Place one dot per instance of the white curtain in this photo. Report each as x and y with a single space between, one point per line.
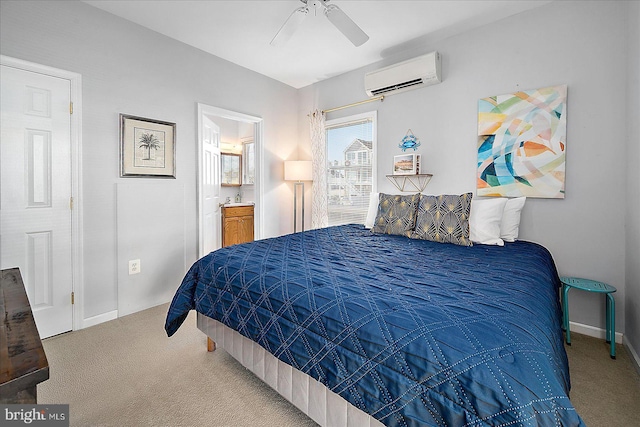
319 216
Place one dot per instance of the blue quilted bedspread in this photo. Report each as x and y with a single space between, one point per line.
410 331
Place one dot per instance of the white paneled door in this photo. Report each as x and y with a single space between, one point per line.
35 183
210 184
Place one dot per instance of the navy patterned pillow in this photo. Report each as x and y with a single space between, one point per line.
444 219
396 214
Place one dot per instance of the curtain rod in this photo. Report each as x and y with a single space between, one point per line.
376 98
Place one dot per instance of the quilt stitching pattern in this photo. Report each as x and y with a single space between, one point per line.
450 335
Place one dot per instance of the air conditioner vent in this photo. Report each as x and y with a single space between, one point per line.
396 87
410 74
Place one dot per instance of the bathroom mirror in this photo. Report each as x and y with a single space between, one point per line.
231 169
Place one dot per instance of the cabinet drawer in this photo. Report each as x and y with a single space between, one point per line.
233 211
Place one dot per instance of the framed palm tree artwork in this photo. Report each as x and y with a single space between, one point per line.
147 147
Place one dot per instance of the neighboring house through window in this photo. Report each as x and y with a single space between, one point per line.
351 167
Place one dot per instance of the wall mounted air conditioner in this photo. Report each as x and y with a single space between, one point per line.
413 73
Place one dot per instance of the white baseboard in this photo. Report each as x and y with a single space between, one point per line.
592 331
633 352
100 318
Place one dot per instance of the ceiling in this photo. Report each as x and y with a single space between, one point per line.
240 30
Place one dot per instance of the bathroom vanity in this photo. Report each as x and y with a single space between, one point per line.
237 223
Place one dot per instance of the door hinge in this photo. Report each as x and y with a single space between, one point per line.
71 108
71 203
73 298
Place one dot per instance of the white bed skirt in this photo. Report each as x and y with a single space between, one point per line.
307 394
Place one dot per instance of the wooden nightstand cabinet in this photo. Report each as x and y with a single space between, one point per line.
237 225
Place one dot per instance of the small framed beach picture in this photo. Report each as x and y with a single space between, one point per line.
405 164
147 147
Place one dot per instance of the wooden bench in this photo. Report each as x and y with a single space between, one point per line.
23 363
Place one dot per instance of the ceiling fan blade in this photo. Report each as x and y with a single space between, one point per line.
345 25
290 26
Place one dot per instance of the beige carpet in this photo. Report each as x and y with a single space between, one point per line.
605 392
126 372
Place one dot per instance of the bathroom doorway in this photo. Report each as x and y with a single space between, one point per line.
222 133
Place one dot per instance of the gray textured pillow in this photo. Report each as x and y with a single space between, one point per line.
444 219
396 214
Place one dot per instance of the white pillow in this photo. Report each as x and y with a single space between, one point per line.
373 210
485 219
510 226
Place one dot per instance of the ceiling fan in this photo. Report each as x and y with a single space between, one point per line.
335 15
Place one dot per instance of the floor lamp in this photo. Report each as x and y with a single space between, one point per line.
299 171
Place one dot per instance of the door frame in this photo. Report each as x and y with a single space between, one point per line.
75 80
209 110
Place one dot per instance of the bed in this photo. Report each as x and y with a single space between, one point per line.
362 328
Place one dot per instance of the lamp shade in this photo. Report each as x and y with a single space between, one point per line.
297 170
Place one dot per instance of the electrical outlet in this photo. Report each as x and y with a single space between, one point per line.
134 266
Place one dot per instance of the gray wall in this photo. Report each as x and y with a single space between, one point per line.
581 44
632 303
128 69
594 232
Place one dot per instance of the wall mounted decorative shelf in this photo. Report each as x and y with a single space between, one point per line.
406 183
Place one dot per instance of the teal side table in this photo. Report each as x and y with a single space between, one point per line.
591 286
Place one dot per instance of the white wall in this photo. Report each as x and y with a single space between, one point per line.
581 44
128 69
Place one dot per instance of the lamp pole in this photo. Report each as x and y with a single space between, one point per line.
295 205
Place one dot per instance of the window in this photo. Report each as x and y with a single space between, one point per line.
248 161
351 167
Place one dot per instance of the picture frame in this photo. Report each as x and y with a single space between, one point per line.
147 147
405 164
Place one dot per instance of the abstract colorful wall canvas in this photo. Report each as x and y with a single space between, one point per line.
522 143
